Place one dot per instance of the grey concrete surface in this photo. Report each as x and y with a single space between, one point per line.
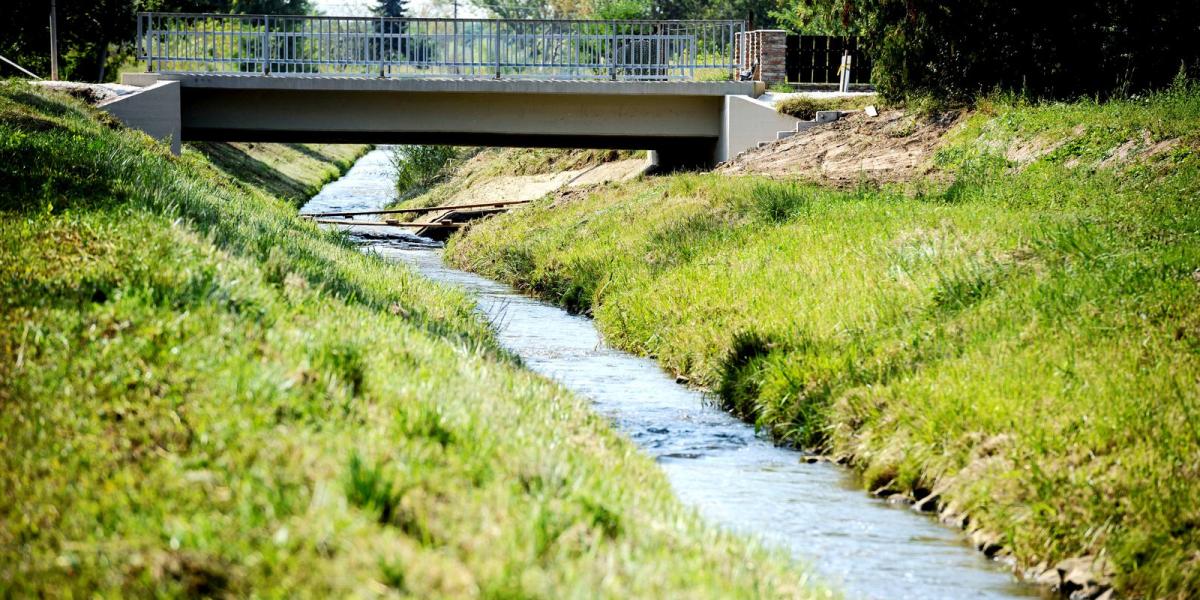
685 124
154 109
458 85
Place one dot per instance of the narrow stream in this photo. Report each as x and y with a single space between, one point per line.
863 545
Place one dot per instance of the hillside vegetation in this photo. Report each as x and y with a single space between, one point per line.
293 172
206 396
474 167
1014 340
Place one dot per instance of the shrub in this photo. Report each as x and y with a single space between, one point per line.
419 166
1047 49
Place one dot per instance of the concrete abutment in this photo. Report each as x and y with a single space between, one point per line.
686 125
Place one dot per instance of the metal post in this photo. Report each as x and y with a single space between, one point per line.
612 52
736 41
266 41
139 53
844 73
53 41
380 50
496 48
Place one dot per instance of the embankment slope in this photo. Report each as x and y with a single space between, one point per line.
293 172
204 395
1012 339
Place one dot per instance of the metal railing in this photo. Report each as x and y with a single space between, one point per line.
468 48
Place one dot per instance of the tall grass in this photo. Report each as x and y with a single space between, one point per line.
293 172
418 167
1019 335
204 395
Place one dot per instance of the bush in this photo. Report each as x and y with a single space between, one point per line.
1045 49
419 166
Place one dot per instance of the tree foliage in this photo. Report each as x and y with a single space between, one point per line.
954 49
758 14
93 36
96 36
390 8
420 166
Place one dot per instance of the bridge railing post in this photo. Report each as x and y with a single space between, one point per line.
379 48
139 52
266 45
496 46
612 51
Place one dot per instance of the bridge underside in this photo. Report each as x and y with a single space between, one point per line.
686 124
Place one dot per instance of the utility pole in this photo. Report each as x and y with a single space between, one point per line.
53 43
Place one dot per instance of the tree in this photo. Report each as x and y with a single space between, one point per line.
93 36
393 10
96 36
621 9
815 18
268 7
954 49
516 9
390 8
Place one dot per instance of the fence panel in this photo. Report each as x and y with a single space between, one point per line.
318 46
817 58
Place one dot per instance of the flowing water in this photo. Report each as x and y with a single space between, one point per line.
863 545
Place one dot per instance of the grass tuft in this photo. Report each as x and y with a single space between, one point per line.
369 488
778 202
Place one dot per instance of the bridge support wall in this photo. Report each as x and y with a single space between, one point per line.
154 110
450 118
685 125
746 122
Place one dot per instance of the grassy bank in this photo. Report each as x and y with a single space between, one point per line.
474 166
292 172
1015 340
206 396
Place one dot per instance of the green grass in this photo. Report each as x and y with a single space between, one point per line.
204 395
293 172
419 167
805 107
1020 335
475 165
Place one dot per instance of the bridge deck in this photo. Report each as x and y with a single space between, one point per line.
694 122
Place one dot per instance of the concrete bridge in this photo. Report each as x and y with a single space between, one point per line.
578 84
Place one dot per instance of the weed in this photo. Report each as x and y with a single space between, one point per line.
963 285
777 202
368 487
806 107
417 167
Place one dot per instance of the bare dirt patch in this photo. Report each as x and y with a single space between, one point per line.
895 146
508 188
91 93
